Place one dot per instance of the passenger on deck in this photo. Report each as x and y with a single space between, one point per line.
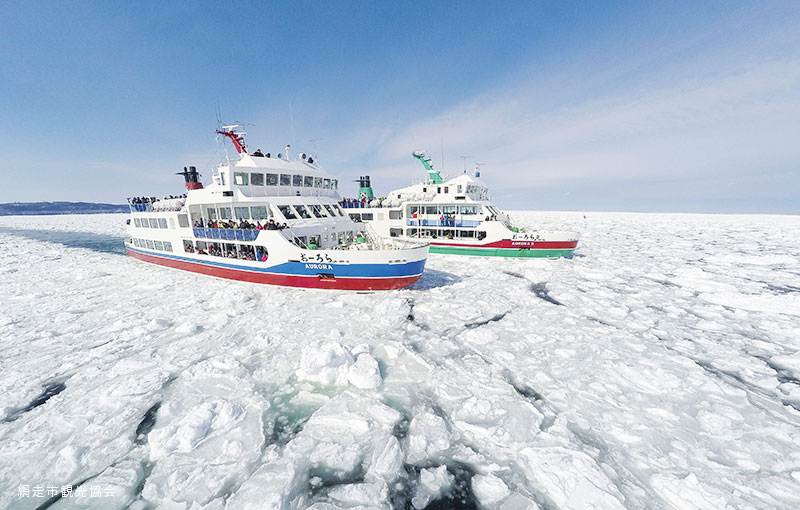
258 153
271 225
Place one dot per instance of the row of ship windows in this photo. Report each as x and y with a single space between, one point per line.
289 212
300 181
470 189
444 209
150 222
228 250
152 245
435 233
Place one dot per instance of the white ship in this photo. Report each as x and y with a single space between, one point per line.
273 220
456 216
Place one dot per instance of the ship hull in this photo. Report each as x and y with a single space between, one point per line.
382 277
509 248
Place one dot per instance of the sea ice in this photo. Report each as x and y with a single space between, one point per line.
657 368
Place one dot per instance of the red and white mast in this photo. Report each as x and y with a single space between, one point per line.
236 138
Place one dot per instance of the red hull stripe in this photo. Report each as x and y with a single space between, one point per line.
309 282
517 244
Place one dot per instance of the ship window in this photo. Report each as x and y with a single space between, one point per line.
459 189
349 236
302 211
301 241
366 216
153 223
395 232
481 235
431 209
242 213
447 189
297 180
240 178
162 223
411 232
338 210
183 221
330 211
259 213
355 216
257 179
225 213
438 189
424 190
448 209
136 222
466 233
395 215
308 181
272 179
412 210
287 212
326 184
468 209
150 244
286 180
159 245
317 210
317 182
211 213
334 184
261 253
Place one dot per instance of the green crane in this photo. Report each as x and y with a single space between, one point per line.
433 175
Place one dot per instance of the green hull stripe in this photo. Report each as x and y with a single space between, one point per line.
500 252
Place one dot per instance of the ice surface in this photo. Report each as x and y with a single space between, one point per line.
657 368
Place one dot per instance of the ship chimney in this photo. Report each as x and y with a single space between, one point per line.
190 178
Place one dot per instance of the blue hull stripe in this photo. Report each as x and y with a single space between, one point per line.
311 268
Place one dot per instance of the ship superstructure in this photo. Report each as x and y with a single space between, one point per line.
269 219
456 216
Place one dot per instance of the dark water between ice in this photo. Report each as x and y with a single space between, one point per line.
97 242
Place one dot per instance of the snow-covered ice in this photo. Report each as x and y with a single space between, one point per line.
657 368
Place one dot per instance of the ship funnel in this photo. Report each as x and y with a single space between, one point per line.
364 188
190 177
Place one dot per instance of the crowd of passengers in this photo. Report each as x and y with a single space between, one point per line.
243 224
152 200
360 203
244 252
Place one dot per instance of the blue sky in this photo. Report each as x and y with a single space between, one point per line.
670 106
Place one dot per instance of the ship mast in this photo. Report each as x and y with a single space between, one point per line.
433 175
236 138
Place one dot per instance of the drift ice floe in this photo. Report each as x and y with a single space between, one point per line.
456 216
272 220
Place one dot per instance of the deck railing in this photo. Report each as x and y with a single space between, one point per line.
228 234
443 223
